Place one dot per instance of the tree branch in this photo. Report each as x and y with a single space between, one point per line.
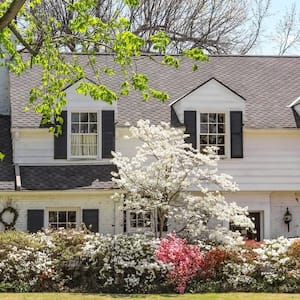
11 13
21 40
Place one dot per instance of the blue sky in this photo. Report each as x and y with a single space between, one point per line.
278 9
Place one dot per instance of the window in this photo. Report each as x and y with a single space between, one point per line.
62 218
84 134
140 220
212 131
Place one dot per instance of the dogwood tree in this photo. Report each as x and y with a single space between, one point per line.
173 181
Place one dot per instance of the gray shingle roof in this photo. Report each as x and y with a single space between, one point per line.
7 173
67 177
268 84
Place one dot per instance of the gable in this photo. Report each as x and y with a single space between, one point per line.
81 102
212 96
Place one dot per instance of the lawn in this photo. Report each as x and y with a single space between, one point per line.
227 296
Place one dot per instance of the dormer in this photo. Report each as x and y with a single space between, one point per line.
212 114
88 129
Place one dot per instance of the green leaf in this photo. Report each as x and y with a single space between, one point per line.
160 41
171 61
109 71
132 2
125 88
1 156
159 95
195 54
139 81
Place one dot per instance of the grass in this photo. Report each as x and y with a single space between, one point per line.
210 296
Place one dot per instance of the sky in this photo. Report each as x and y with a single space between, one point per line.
278 9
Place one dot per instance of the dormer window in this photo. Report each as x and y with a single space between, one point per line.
212 131
86 135
213 116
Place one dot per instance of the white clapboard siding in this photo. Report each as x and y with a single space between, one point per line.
33 146
108 220
271 161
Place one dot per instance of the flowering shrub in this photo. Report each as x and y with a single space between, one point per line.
185 259
71 260
212 263
125 263
24 264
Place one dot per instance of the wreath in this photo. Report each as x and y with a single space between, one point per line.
9 225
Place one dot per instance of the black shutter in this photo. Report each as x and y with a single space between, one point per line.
90 218
190 127
236 130
174 119
60 142
108 133
35 220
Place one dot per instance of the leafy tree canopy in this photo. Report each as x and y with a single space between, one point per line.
25 28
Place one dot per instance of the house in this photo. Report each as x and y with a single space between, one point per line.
247 105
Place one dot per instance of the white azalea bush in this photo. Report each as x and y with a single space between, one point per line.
160 177
24 264
125 263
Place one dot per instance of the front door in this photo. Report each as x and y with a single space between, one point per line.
255 234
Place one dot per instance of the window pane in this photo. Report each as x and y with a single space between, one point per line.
203 118
221 139
221 128
76 150
93 117
52 216
62 225
75 117
84 117
71 216
212 118
212 139
62 216
221 118
83 128
202 148
203 128
203 139
75 128
93 128
221 150
212 128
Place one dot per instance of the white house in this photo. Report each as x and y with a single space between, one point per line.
246 105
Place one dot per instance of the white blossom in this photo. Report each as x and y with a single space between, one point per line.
164 176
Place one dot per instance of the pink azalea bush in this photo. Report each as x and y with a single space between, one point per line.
185 260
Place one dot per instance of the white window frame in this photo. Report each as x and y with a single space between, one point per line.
131 229
227 128
57 209
99 135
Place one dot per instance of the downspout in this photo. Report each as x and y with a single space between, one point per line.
18 177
